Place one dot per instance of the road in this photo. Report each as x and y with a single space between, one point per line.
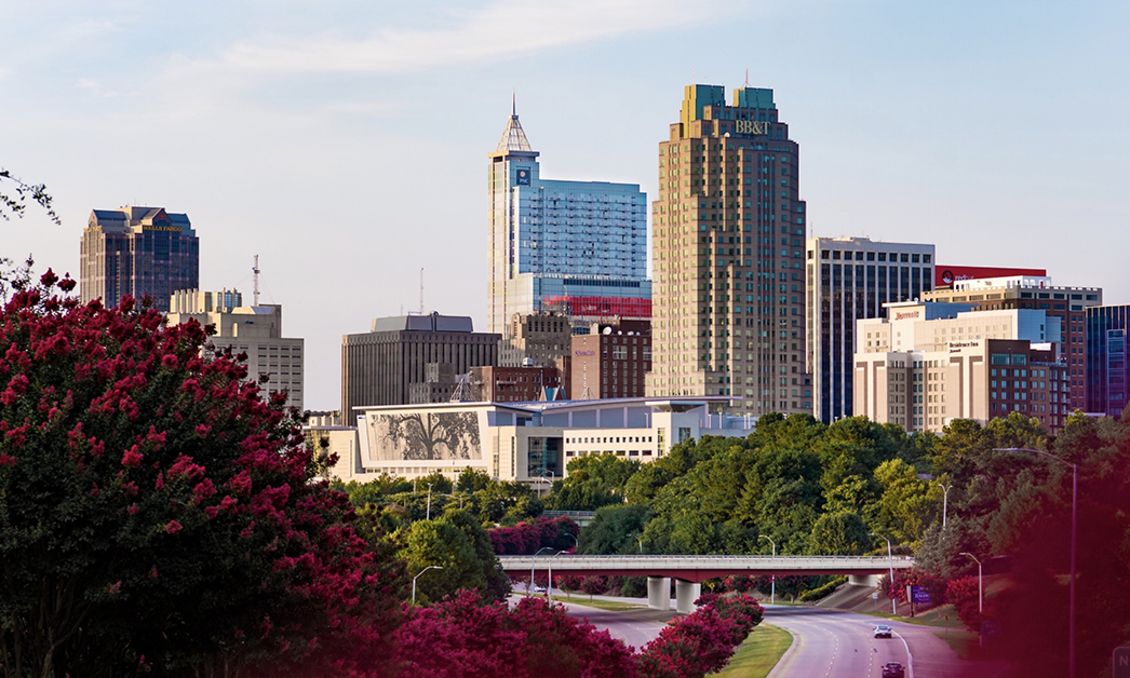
834 644
635 627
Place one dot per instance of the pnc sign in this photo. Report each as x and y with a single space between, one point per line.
755 127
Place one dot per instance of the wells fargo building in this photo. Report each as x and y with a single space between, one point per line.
728 256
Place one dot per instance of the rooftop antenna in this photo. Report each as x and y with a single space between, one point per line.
747 77
514 104
255 280
421 290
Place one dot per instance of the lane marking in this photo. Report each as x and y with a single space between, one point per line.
909 657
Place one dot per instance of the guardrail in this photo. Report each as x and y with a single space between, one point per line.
704 564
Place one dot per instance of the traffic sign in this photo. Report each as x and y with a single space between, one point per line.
1120 663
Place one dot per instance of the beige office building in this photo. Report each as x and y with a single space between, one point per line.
927 364
255 330
1069 304
728 256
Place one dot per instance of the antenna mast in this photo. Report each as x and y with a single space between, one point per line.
421 290
255 280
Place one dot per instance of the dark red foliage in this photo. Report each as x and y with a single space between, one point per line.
703 641
527 537
172 507
461 638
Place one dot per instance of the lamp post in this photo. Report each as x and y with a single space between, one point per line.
772 577
1074 541
945 501
576 544
980 590
891 581
429 567
549 588
533 562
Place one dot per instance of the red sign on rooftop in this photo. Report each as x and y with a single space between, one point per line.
946 276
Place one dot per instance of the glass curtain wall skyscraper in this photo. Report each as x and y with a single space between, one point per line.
728 256
1108 359
138 251
573 246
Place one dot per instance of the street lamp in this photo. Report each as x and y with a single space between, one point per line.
980 590
549 588
772 577
891 581
945 501
429 516
1074 523
533 562
429 567
576 544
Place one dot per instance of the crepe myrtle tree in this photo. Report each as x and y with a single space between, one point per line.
158 513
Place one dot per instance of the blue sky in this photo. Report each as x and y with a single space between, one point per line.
346 142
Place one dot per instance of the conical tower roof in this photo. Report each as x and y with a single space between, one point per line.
513 136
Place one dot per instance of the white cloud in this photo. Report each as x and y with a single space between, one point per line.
504 28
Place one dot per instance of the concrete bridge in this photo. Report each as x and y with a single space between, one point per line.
690 571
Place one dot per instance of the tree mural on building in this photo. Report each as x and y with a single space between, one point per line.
432 435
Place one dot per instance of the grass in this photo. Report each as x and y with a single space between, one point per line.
612 605
760 652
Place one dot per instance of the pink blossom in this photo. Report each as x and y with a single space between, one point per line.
132 457
173 526
7 460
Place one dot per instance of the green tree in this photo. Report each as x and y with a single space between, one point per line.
615 529
591 482
840 533
907 504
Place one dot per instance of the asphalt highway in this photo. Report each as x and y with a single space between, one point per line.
835 644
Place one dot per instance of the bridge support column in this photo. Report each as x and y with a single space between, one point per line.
871 580
659 593
686 592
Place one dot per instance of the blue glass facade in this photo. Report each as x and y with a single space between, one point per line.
551 239
1108 369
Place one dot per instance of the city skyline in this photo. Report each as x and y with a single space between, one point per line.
321 162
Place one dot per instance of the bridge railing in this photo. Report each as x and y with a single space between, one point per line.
706 562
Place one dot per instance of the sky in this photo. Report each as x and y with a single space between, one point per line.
346 142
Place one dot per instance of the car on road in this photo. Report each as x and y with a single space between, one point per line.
894 670
535 589
883 631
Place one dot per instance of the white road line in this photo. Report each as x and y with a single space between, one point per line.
909 657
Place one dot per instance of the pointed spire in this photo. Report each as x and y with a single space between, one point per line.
513 136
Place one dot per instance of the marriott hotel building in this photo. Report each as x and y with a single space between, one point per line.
728 256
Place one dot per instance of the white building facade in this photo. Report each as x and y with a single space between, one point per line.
254 330
526 442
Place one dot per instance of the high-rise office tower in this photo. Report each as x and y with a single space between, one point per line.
138 251
561 245
1108 359
849 279
728 256
1036 292
382 367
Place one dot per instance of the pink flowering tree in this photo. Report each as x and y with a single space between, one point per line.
158 513
461 638
703 641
